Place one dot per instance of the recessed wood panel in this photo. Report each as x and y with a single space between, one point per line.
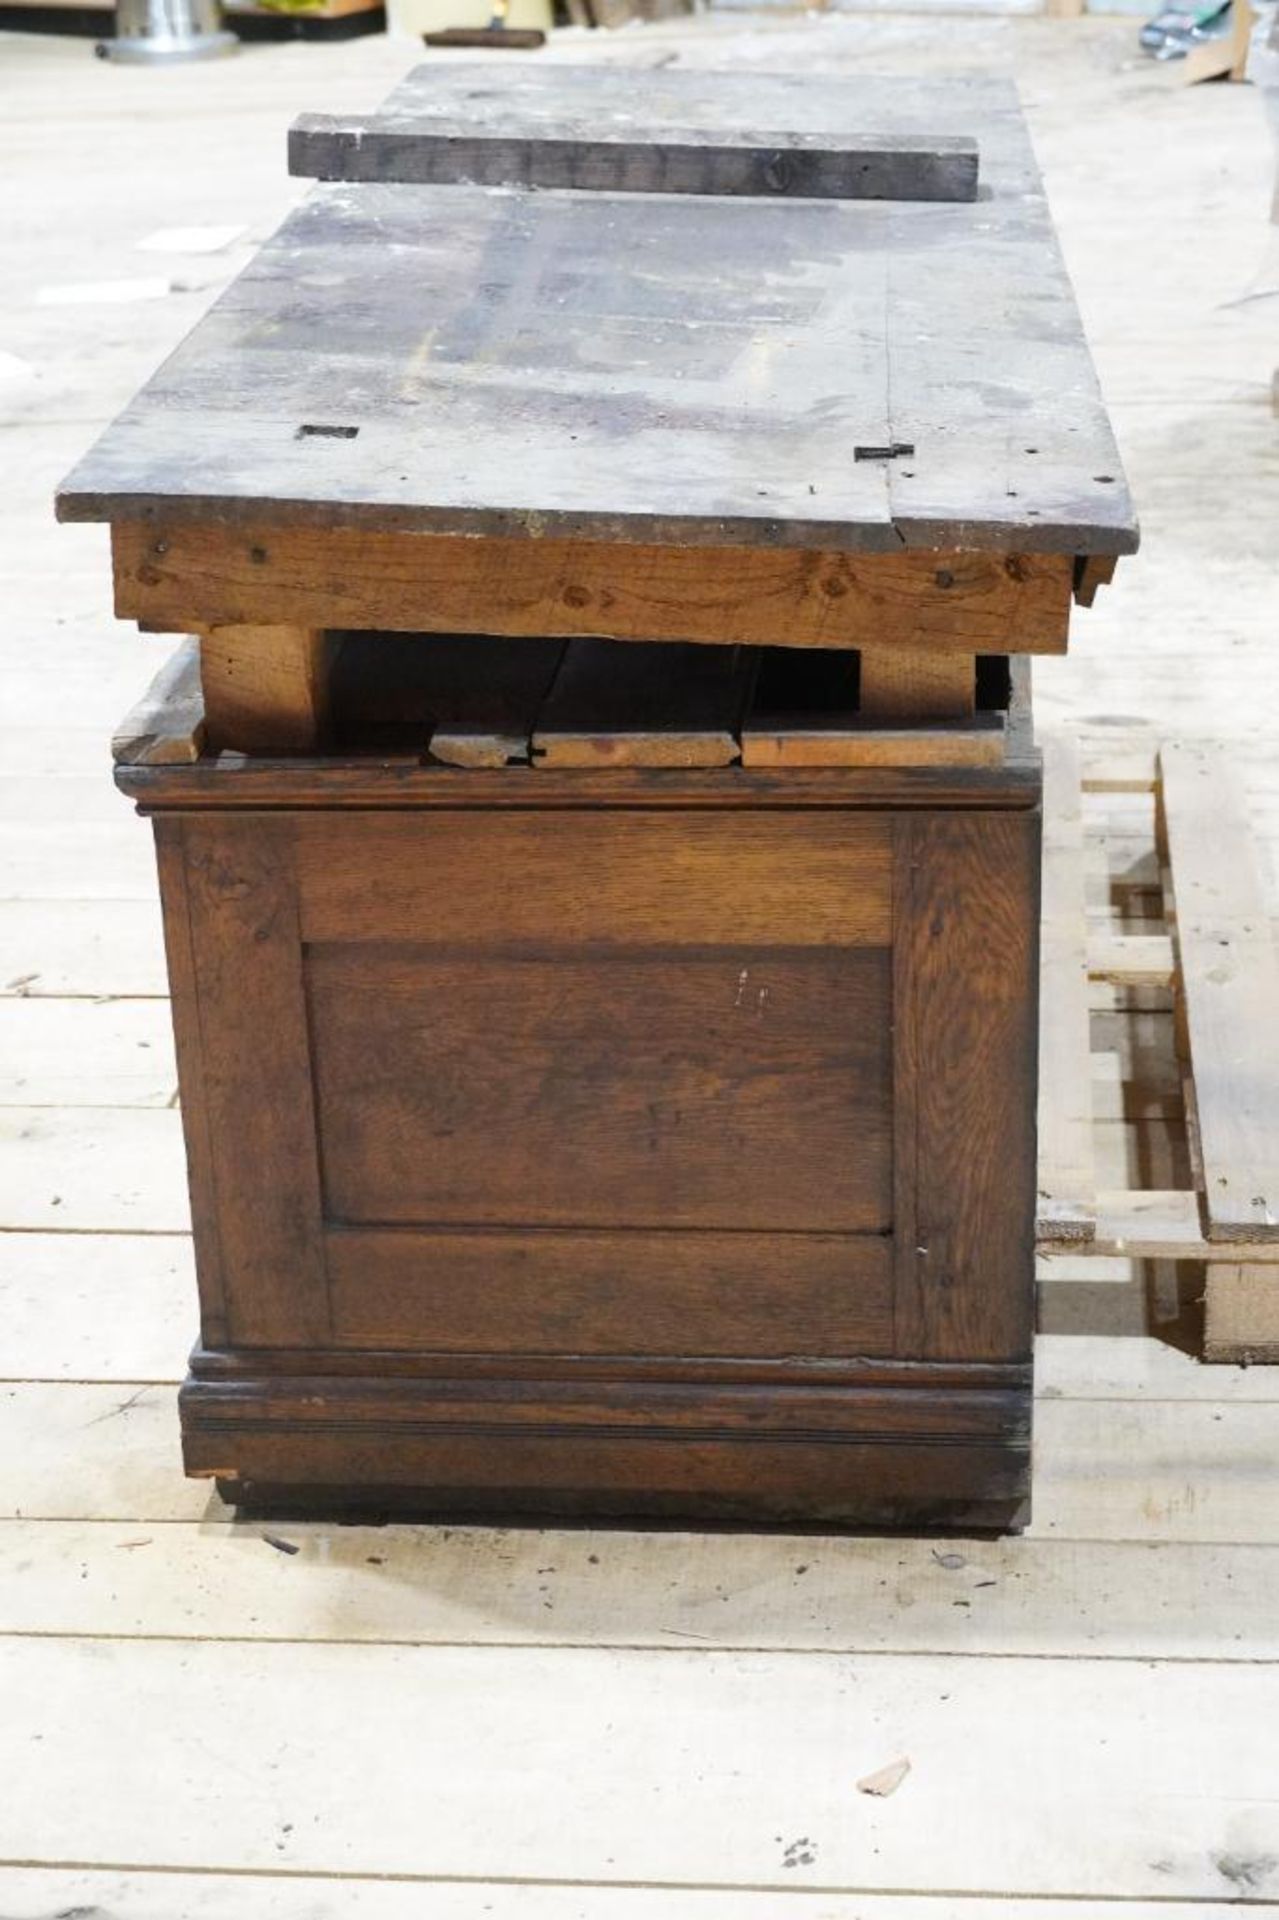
642 878
750 1295
728 1088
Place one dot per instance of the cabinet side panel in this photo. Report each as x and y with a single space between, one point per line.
256 1078
170 857
965 994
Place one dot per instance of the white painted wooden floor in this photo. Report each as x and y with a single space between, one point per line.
382 1725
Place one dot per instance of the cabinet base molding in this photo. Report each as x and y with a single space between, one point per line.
915 1446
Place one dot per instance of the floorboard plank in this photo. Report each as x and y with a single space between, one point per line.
624 1767
82 949
483 1586
93 1169
86 1053
38 1893
82 1306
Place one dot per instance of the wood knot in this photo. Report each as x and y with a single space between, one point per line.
575 596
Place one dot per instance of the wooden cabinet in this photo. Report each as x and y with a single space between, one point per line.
614 1159
598 818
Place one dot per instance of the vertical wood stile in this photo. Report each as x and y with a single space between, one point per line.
247 1004
965 959
1067 1198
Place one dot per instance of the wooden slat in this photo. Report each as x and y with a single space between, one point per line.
1066 1174
794 742
166 727
1165 1225
643 706
1131 960
584 144
1230 985
265 688
178 575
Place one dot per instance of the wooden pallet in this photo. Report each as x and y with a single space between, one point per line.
1213 952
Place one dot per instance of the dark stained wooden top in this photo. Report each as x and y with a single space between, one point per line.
780 135
663 368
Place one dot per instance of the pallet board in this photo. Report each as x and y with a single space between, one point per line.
1216 955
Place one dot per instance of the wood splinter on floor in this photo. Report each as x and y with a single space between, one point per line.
886 1781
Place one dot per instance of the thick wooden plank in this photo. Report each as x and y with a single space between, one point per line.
166 727
473 707
176 574
265 688
644 878
1229 973
244 1065
1067 1177
628 1726
903 684
401 143
739 1086
1241 1314
643 706
576 127
611 1293
966 968
488 414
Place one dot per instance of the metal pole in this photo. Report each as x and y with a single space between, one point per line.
160 32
